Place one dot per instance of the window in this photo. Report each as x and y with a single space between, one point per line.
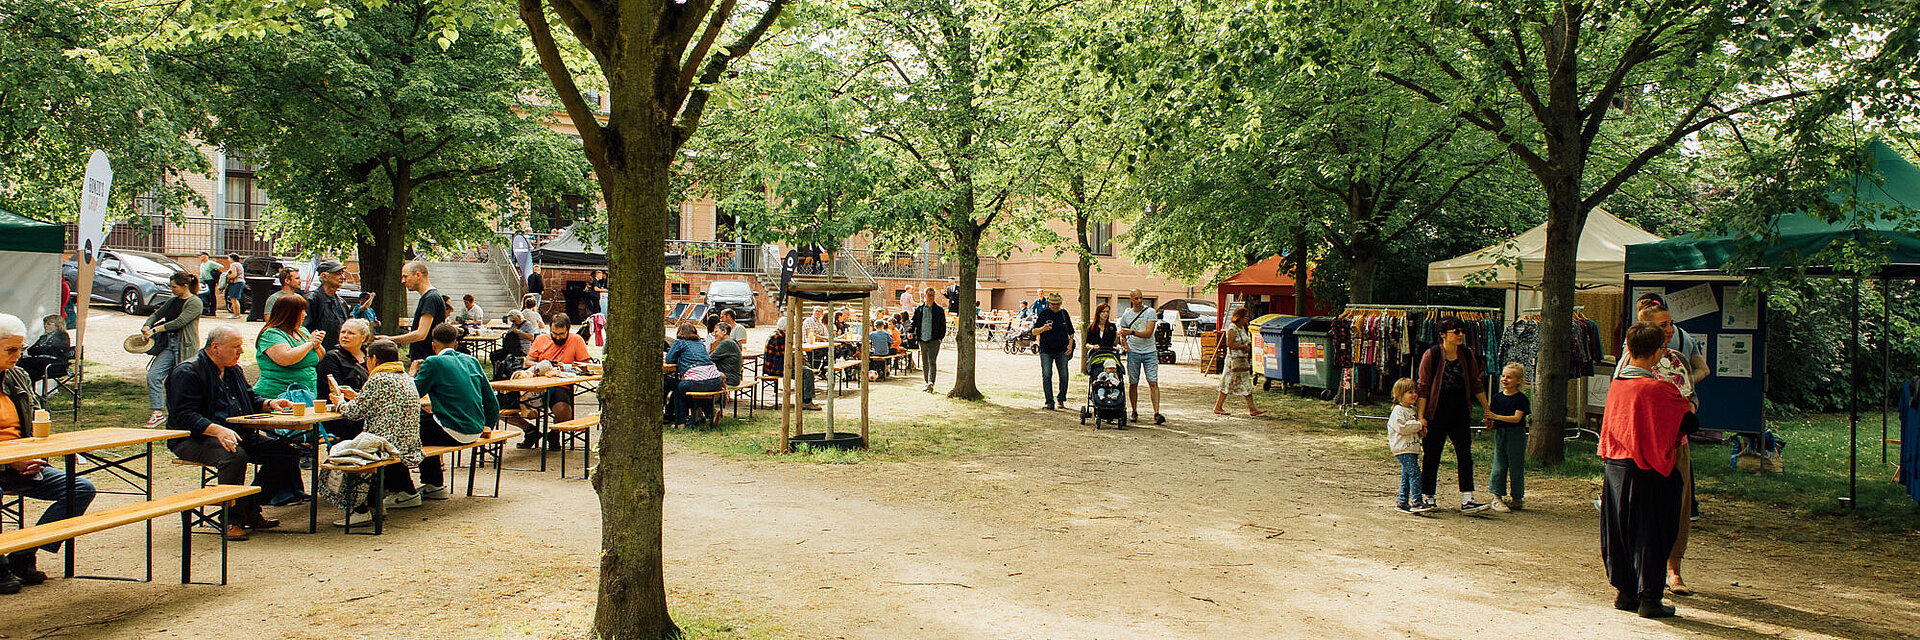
1106 300
1100 238
561 213
245 199
723 225
680 288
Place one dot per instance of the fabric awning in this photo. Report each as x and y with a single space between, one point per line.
1521 261
21 233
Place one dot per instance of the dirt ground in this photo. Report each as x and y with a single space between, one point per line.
1206 527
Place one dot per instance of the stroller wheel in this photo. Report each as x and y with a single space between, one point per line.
1121 423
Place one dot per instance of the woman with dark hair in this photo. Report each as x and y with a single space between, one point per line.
1449 383
1101 334
178 323
288 354
697 372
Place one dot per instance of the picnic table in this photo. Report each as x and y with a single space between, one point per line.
308 426
75 446
538 384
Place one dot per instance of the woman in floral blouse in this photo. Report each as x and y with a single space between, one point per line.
1236 371
390 406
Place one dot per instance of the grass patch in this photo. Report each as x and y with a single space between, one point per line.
704 626
107 401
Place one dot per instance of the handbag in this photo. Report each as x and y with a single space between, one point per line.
163 340
297 394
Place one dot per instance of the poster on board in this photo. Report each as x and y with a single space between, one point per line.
1692 302
1741 311
1733 355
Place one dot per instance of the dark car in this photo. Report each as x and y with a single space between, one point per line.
1194 315
134 280
732 294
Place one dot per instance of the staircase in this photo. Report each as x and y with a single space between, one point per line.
488 283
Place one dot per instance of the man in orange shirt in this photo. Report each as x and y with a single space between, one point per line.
1640 501
559 345
31 478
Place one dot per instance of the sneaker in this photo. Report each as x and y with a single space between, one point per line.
1471 507
1421 506
156 419
434 492
402 500
1403 508
9 584
1499 505
355 519
1159 419
1516 504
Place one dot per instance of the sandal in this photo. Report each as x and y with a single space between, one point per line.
1221 413
1257 412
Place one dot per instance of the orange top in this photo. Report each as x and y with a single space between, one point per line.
9 418
573 350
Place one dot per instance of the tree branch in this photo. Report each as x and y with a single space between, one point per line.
692 64
591 137
1681 130
696 101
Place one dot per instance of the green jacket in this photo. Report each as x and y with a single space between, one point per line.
463 400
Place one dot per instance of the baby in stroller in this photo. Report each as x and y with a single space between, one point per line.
1106 389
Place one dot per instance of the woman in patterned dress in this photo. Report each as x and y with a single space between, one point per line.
1236 372
390 407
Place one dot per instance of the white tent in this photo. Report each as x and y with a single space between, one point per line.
1519 263
30 253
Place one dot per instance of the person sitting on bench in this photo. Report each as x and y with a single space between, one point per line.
389 405
559 346
204 391
31 478
697 373
773 362
459 404
882 349
726 353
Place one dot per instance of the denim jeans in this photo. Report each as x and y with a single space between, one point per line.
930 360
51 485
1509 462
1051 363
681 407
1409 477
157 371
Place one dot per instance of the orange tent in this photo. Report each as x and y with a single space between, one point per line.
1268 278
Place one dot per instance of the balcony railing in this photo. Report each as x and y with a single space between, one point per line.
718 257
187 236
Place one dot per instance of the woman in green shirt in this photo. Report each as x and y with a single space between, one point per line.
288 355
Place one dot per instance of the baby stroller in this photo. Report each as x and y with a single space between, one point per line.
1020 337
1106 389
1163 342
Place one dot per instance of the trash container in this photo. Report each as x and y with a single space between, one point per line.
1311 350
259 288
1274 342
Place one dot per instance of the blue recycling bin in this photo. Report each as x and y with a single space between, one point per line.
1280 350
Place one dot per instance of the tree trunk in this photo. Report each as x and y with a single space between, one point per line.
968 248
630 479
1300 272
1361 267
1565 219
1086 262
381 257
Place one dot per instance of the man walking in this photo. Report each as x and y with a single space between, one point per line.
1054 328
929 327
1137 325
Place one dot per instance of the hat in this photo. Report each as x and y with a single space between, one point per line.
138 343
329 266
1053 297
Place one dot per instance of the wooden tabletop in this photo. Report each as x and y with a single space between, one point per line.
814 346
538 383
482 336
68 442
278 420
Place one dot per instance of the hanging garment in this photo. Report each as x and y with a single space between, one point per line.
1909 474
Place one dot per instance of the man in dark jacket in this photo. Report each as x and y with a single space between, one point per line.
1054 328
203 393
929 326
31 478
325 310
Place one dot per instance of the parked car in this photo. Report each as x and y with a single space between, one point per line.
1195 315
134 280
732 294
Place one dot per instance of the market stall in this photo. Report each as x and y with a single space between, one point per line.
31 251
1268 278
1715 306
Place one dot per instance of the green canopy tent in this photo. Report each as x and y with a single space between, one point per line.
30 251
1878 203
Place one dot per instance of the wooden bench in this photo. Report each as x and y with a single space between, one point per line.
369 478
188 505
577 432
490 444
716 401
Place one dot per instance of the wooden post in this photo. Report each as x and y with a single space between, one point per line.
866 361
789 410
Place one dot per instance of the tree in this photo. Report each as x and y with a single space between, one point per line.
1583 95
56 108
375 138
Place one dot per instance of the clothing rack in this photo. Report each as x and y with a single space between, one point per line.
1346 400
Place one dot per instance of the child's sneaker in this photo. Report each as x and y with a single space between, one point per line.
1403 508
1499 504
1470 507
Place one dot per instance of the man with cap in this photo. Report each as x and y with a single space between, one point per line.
1054 330
325 310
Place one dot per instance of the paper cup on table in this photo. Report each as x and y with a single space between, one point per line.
42 423
299 409
319 406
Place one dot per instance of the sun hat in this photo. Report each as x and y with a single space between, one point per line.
138 343
1053 297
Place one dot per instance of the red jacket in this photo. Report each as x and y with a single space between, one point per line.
1642 423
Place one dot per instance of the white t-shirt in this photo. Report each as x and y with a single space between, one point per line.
1143 322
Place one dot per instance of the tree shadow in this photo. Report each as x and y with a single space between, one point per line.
1769 613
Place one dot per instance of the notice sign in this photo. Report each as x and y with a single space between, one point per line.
1692 302
1742 311
1733 354
1309 359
